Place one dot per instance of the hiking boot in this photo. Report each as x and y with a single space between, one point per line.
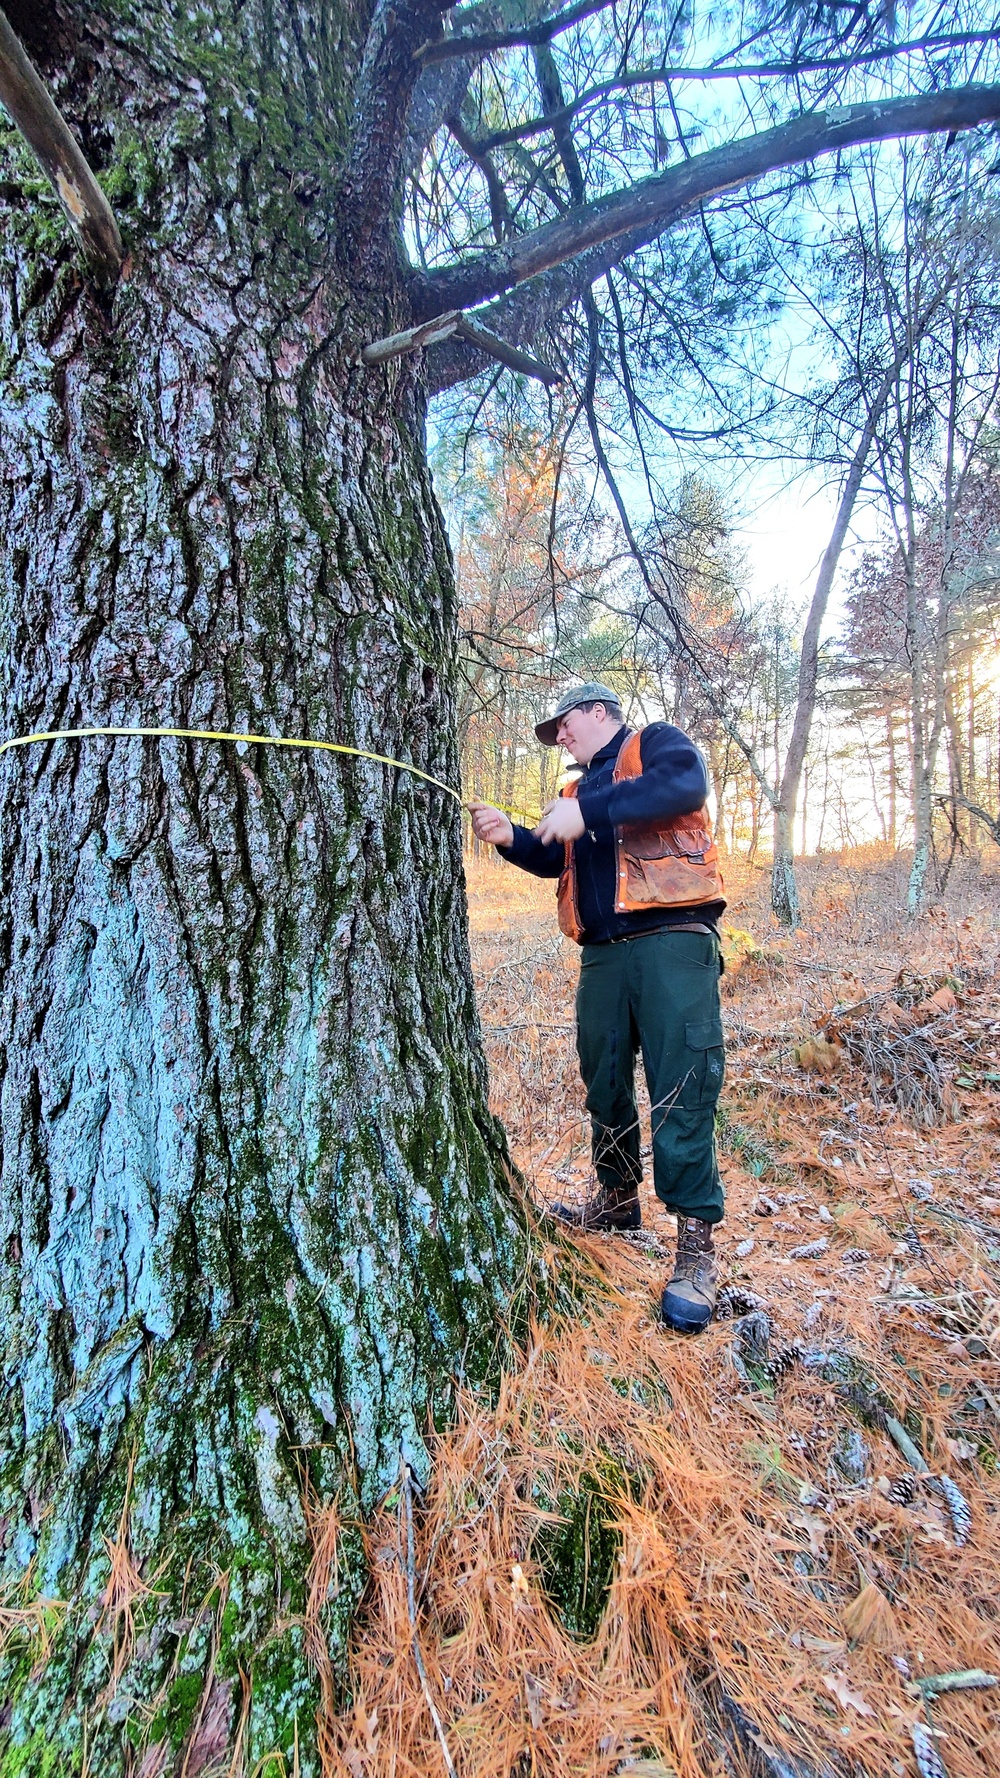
689 1298
611 1207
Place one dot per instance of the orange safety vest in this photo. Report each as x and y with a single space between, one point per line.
660 864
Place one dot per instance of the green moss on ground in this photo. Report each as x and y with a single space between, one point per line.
578 1555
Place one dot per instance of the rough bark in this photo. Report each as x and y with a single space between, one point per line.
254 1214
784 888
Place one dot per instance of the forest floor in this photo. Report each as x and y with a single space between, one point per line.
715 1556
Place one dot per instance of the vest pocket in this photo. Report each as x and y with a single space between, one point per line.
692 844
666 881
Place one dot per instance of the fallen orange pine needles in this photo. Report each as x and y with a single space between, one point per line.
739 1513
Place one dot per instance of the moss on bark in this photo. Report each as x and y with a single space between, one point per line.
254 1213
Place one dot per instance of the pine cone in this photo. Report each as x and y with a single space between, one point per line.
781 1360
903 1491
958 1507
929 1761
733 1300
809 1249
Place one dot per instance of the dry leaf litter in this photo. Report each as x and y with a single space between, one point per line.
775 1548
772 1550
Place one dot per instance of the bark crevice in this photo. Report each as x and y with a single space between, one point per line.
254 1211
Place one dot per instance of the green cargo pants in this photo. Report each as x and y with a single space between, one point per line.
659 993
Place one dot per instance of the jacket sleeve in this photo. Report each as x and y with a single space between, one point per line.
532 855
674 782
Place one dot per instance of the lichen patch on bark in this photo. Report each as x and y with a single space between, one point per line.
255 1215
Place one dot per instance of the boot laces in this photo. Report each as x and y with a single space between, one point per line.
695 1254
694 1237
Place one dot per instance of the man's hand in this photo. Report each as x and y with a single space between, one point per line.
562 820
491 825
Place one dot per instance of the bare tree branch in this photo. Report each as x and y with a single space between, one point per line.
520 316
642 211
494 347
444 48
551 94
788 70
500 215
411 339
680 641
992 822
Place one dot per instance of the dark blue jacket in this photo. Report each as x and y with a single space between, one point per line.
674 781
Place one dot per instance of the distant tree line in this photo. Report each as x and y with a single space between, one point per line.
804 721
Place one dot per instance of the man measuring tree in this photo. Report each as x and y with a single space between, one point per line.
641 892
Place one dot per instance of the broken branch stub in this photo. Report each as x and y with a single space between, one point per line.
41 123
495 347
412 339
454 325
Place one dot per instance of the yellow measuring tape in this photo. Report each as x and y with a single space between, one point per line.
206 734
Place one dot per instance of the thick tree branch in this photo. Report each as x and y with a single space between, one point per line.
437 95
444 48
520 315
381 112
644 210
440 89
43 126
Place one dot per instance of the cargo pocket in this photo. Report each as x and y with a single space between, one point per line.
706 1062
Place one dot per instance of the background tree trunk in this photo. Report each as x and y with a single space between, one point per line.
254 1212
893 782
923 808
784 889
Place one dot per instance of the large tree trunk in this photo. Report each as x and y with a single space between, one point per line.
254 1213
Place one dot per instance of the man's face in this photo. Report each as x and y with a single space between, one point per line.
584 732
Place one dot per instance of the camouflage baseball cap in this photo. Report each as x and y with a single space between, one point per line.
571 700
